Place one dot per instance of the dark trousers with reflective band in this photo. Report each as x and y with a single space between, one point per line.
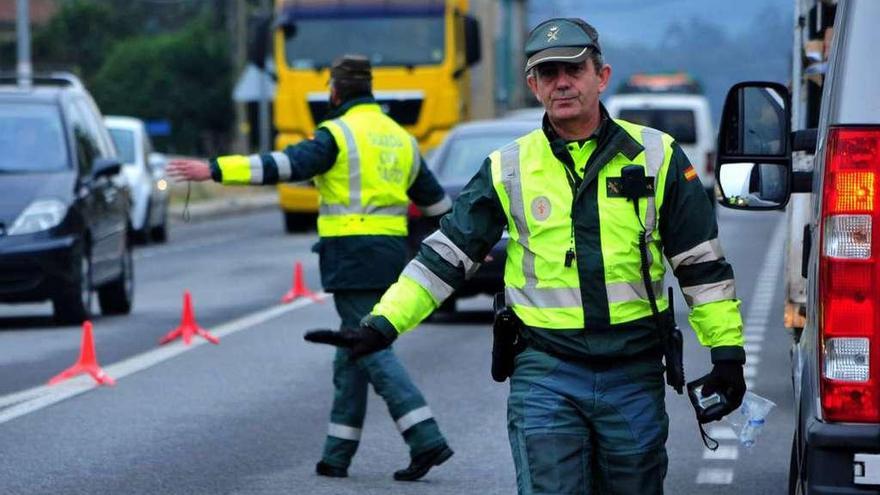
579 429
390 381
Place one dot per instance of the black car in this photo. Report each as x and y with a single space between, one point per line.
454 162
64 230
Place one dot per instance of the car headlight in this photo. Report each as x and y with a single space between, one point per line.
38 216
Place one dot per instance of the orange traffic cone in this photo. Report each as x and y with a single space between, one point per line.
299 287
188 326
87 362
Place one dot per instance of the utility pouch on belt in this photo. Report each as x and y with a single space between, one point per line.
506 343
673 351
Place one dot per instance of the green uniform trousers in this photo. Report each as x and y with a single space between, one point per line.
390 380
587 429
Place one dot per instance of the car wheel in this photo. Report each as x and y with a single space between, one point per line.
116 297
299 222
72 305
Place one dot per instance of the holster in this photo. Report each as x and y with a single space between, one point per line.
673 351
506 340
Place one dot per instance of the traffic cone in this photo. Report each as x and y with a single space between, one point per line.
188 326
87 362
299 287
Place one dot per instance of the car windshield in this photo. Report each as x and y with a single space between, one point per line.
31 139
678 123
124 141
464 154
376 38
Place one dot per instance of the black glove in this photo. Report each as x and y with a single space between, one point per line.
362 340
727 379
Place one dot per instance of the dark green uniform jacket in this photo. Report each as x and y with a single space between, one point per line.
348 262
687 218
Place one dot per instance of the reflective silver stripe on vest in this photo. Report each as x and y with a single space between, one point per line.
416 164
652 140
706 293
435 285
632 291
369 210
437 208
344 432
354 165
283 165
453 255
511 180
533 297
255 163
701 253
413 418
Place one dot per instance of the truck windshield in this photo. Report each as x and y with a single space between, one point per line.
679 123
387 41
31 139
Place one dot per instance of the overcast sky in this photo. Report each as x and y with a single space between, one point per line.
645 21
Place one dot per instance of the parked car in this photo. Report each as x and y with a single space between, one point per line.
454 162
674 104
144 170
64 216
836 355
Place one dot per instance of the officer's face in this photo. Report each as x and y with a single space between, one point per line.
569 91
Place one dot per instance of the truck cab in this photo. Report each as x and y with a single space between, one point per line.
836 355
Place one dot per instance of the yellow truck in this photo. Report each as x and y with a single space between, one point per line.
420 51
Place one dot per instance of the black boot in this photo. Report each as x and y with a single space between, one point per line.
324 469
422 463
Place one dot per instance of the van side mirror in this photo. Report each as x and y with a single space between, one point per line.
472 49
105 167
754 147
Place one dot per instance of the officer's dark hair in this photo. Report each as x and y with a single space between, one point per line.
351 76
594 55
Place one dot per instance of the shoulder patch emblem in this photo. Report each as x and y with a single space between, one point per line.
689 173
541 208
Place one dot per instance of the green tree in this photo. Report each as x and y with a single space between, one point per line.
184 77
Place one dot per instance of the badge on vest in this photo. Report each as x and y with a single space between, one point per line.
541 208
614 187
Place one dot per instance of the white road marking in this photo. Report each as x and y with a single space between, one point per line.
715 476
749 347
722 432
722 453
34 399
754 338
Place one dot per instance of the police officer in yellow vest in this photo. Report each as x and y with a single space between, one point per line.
366 168
586 411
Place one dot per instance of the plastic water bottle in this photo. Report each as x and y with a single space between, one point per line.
748 421
750 432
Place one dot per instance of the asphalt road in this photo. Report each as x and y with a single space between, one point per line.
248 416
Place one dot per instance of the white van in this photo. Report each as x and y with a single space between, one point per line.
686 117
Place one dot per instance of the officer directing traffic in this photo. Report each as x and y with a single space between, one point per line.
590 204
366 168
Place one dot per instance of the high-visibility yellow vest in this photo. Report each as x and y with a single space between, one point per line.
364 193
537 199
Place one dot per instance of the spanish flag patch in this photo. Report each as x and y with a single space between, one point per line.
689 173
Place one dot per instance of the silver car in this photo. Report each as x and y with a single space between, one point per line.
144 170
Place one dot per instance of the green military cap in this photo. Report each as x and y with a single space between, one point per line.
351 69
561 40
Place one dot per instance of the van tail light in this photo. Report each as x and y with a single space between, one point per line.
710 164
849 271
413 211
